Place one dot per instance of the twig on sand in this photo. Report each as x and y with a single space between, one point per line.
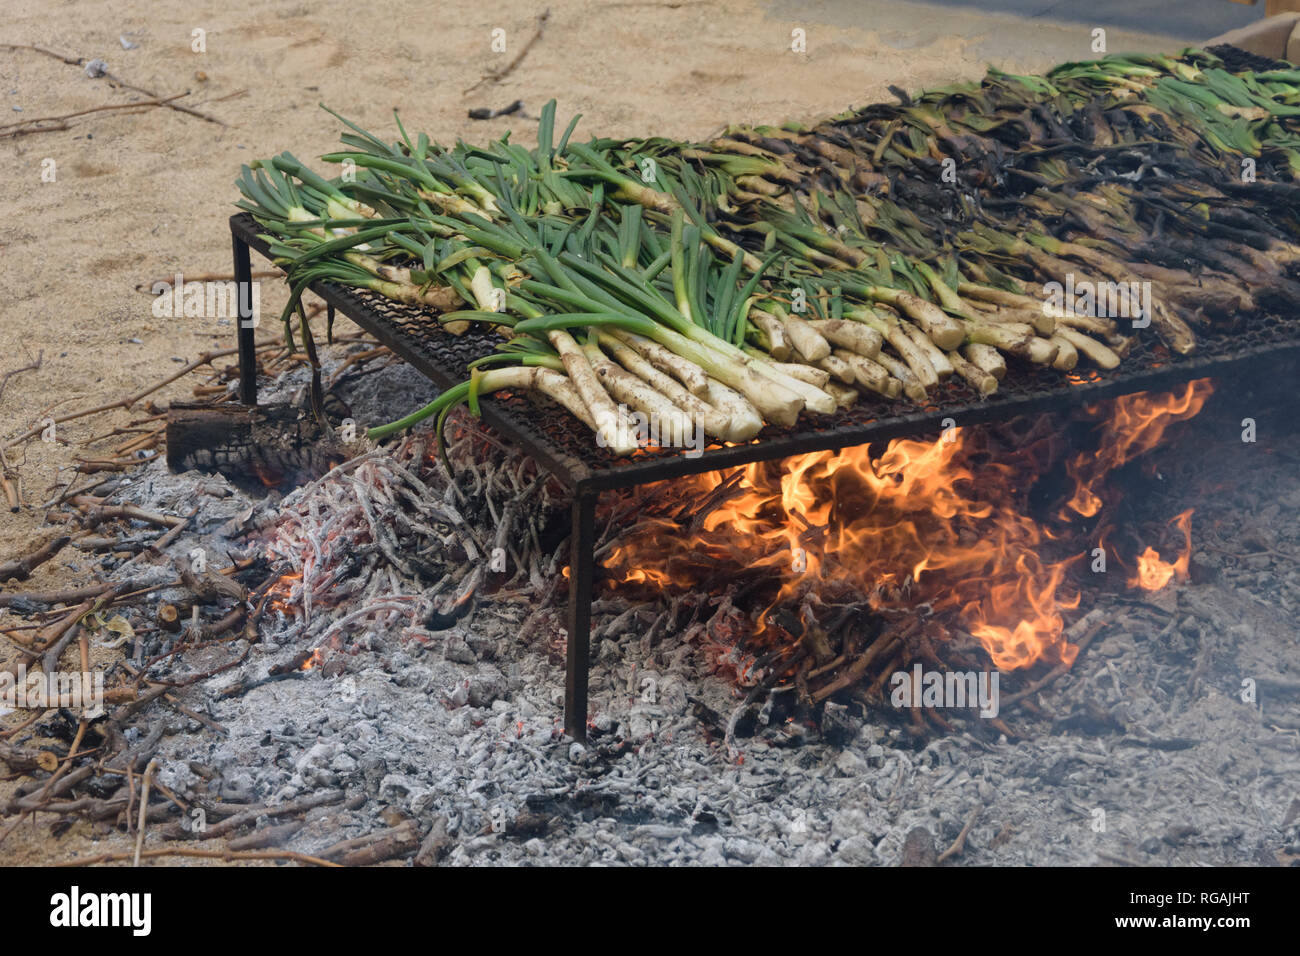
22 567
496 76
10 489
208 277
34 125
130 400
81 61
4 379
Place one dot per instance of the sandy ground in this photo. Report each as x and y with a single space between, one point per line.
138 195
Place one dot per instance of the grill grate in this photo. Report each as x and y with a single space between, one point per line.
568 449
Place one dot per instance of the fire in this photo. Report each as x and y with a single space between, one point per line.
1153 573
314 659
945 523
1137 424
915 522
283 591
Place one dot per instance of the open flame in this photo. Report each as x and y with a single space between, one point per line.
945 524
314 660
1136 425
284 590
1153 573
916 522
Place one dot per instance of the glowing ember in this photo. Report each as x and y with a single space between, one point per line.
282 594
1154 573
313 660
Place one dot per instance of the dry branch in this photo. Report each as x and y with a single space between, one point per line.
496 76
35 125
21 568
81 61
4 379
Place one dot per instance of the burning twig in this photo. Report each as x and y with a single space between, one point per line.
1087 628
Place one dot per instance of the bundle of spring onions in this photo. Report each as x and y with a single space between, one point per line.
741 282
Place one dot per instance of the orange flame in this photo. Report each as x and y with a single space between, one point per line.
280 595
1137 424
916 518
317 656
1153 573
925 522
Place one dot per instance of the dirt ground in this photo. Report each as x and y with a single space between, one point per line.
138 195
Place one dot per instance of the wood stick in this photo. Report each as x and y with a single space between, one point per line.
21 568
301 805
499 75
16 129
204 359
69 596
164 541
229 856
48 790
11 492
140 442
172 699
1082 644
397 842
209 277
356 843
144 809
959 844
269 836
81 61
4 379
98 513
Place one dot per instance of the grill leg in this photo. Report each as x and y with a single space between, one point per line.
247 346
582 561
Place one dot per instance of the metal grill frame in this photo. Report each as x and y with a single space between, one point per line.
586 470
